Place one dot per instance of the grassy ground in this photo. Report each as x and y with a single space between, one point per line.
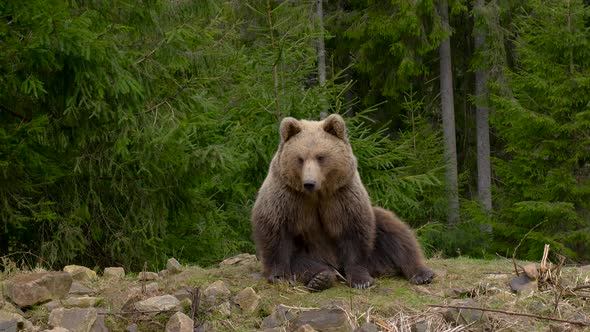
392 304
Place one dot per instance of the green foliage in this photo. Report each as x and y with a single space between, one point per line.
543 124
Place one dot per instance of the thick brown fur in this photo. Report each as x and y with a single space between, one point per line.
313 215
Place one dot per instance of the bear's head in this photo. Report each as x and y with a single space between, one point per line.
315 156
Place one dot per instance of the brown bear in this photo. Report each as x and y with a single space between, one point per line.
313 216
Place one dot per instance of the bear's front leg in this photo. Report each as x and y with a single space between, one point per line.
275 248
354 249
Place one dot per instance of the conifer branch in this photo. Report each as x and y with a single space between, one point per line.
150 53
15 114
274 65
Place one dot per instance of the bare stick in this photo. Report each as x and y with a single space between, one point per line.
512 313
134 312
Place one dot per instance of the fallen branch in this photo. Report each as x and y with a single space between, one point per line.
512 313
134 312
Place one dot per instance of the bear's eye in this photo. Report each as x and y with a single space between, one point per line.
320 158
300 160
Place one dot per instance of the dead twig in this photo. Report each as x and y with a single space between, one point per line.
521 241
195 303
134 312
512 313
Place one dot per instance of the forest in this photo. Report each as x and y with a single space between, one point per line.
136 130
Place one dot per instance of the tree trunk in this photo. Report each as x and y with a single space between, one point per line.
448 116
484 182
321 55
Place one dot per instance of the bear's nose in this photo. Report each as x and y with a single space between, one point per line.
309 185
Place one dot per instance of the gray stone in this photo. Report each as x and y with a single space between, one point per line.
173 266
9 318
132 328
81 302
163 274
278 317
29 289
57 329
465 316
79 289
150 288
420 326
247 300
80 273
180 322
182 294
368 327
148 276
205 327
223 310
523 285
159 303
324 319
99 324
75 319
240 259
216 290
53 305
114 273
306 328
8 324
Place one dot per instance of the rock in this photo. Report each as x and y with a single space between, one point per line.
160 303
247 300
279 316
205 327
80 273
420 326
82 302
151 288
57 329
132 328
216 290
531 271
240 259
182 294
368 327
324 319
557 328
114 273
148 276
163 274
8 323
8 319
523 285
51 305
457 292
276 329
79 289
173 266
180 322
306 328
465 316
9 307
223 310
99 324
29 289
75 319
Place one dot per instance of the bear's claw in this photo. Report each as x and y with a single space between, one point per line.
363 285
321 281
424 276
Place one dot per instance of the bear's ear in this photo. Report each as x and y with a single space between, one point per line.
289 128
334 124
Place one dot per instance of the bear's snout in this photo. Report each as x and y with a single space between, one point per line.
309 185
